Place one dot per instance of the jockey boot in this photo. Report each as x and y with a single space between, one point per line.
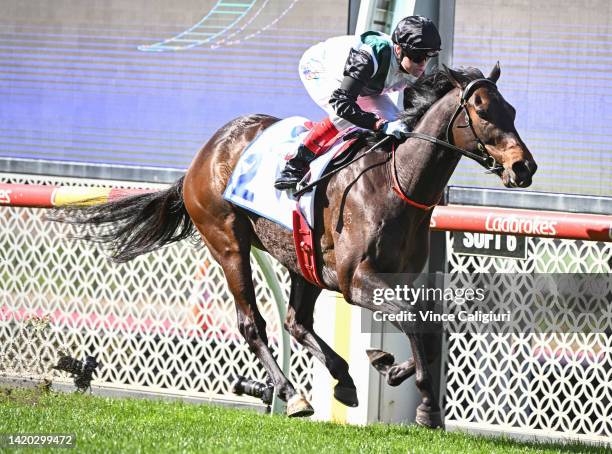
295 169
314 145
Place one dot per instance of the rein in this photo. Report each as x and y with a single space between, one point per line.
484 158
309 186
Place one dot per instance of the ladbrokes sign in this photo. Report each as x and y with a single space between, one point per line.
5 196
520 225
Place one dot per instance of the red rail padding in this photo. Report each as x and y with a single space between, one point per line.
43 196
27 195
458 218
552 224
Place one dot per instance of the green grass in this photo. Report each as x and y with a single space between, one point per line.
133 425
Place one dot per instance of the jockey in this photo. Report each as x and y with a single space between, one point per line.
376 65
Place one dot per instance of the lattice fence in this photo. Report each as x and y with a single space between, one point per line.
163 323
556 385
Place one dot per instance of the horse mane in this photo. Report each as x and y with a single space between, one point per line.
419 97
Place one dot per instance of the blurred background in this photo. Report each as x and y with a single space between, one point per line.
132 89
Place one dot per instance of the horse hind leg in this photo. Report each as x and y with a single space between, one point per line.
299 323
231 247
251 326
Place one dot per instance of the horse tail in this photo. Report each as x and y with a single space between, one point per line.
133 225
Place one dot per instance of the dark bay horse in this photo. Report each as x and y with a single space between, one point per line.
364 227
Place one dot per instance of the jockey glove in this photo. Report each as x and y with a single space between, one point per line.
397 129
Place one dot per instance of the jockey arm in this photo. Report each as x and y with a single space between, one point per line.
359 72
344 102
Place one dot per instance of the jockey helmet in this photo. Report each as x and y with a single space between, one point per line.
417 35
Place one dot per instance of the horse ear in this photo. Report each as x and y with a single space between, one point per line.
495 73
453 76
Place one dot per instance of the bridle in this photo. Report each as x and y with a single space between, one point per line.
483 157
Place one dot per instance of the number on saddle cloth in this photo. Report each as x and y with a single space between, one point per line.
253 163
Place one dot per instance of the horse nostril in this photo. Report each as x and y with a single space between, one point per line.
522 173
521 170
531 166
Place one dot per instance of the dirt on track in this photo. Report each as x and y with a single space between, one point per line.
36 390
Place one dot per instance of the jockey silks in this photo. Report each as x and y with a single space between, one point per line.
373 67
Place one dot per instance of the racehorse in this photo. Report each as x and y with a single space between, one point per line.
373 218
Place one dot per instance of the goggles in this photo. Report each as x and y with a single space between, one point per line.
419 56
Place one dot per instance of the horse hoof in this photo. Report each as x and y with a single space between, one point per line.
380 360
428 418
346 395
397 375
298 407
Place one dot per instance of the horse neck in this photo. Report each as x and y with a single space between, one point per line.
423 171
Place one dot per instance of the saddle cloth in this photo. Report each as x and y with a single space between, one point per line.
251 185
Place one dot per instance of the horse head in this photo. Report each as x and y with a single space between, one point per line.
487 127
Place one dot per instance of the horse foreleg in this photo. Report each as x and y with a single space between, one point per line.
299 323
385 364
360 291
396 374
428 412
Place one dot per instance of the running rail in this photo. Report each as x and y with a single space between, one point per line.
456 218
543 224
